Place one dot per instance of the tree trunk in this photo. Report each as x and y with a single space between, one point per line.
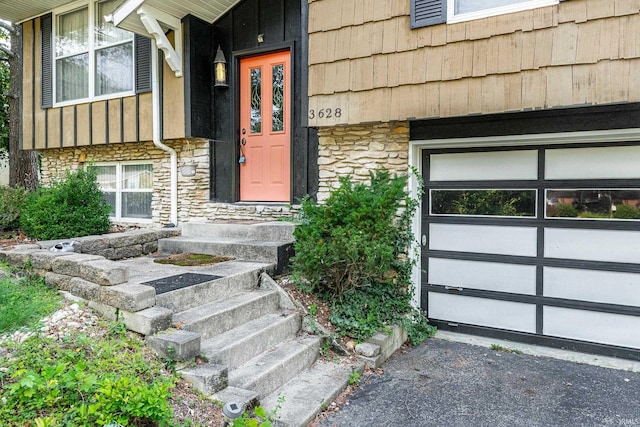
23 165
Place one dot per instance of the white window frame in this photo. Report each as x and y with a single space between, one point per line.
452 18
119 190
90 4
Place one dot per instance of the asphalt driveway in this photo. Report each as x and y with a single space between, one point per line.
445 383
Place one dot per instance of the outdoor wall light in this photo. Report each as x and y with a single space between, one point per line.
220 69
260 38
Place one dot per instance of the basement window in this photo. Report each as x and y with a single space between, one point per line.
128 188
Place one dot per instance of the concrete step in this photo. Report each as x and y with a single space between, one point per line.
214 290
268 371
238 345
220 316
309 392
275 252
270 230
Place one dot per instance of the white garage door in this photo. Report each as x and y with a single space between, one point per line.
540 244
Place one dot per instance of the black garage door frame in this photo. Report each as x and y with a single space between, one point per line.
503 128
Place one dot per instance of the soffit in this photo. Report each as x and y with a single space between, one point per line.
209 11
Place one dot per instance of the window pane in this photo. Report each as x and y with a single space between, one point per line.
277 94
110 198
72 77
114 69
136 205
593 204
72 32
484 202
468 6
105 32
256 100
106 177
137 177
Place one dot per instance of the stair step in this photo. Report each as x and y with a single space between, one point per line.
238 345
270 230
276 252
241 248
219 289
308 393
220 316
266 372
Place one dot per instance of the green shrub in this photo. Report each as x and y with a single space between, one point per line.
71 207
355 252
12 201
626 212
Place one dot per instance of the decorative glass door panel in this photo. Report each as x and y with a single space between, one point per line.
265 122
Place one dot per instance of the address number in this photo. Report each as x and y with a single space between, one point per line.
325 113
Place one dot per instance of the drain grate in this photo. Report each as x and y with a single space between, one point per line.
179 281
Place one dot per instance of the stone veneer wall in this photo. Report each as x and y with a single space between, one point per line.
193 192
357 150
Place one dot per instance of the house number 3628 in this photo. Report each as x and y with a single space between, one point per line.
325 113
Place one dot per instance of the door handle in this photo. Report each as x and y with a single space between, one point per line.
243 141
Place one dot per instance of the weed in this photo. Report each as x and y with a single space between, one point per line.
498 347
354 378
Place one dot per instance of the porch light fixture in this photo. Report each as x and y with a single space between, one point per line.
220 69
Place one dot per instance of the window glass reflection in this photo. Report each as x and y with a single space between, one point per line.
484 202
593 204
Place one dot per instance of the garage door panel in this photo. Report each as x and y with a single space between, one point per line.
608 287
484 312
543 240
592 245
486 239
604 328
496 165
490 276
592 163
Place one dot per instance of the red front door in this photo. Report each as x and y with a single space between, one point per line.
265 121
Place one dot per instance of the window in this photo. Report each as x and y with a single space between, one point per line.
92 58
462 10
128 188
594 203
492 202
431 12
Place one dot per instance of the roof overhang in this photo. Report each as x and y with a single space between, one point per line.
208 10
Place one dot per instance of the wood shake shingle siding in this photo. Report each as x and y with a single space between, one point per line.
371 63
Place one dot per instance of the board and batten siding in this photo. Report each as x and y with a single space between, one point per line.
111 121
367 63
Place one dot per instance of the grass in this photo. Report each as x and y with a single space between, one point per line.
24 301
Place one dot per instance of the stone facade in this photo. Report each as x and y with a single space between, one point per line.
193 192
358 150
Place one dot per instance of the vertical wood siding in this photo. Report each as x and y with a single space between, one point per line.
117 120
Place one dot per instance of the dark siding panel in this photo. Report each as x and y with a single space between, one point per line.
428 12
198 60
143 63
224 148
272 21
618 116
245 25
47 60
